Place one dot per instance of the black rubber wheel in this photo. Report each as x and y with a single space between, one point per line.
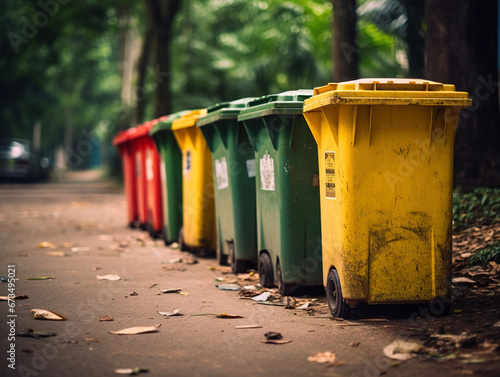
266 277
285 289
336 303
237 266
180 241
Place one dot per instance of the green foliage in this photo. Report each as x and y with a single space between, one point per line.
485 255
479 207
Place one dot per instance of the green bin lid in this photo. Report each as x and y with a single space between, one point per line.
167 123
223 110
286 103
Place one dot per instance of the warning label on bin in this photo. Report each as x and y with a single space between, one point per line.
187 162
330 175
267 172
221 173
251 168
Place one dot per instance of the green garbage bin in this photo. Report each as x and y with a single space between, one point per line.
287 191
234 177
171 176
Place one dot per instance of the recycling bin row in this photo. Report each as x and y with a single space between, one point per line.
348 186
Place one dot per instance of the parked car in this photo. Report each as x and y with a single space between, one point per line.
18 161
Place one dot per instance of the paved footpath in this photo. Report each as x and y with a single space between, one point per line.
84 226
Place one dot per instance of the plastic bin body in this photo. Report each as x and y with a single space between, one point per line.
153 184
127 153
170 175
233 162
287 188
198 207
385 150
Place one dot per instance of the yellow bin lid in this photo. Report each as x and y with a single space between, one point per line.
386 91
188 120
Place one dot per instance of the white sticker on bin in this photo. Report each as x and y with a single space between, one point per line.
267 172
251 168
187 162
221 173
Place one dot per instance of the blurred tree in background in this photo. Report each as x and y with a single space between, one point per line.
85 69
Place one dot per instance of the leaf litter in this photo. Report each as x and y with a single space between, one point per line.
136 330
47 314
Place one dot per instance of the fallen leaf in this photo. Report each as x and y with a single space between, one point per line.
190 260
262 297
323 357
68 244
169 314
228 287
105 237
46 244
174 245
354 344
248 327
47 314
106 318
176 260
225 315
374 320
78 249
184 293
41 278
131 371
276 341
290 302
462 280
400 350
496 324
108 277
18 297
55 253
304 307
211 268
170 290
92 340
136 330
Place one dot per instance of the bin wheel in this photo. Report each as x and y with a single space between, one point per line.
180 241
237 266
336 303
285 289
265 271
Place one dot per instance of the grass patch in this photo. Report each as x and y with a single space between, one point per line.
479 207
485 255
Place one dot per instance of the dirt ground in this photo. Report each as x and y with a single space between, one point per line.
72 231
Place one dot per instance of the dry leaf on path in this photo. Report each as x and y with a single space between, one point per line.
106 318
225 315
136 330
275 341
462 280
170 290
400 350
19 297
46 244
55 253
47 314
131 371
323 357
228 287
262 297
169 314
108 277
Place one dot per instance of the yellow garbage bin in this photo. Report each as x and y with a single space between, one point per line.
198 209
385 149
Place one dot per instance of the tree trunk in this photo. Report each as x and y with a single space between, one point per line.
161 15
141 92
415 36
461 49
345 48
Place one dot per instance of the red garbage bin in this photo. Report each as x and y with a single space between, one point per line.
142 176
123 142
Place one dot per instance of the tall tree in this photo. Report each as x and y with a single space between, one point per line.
461 49
161 14
345 49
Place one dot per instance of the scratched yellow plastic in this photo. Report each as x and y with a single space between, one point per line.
197 183
386 225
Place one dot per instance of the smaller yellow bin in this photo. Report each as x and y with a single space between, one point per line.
198 231
385 150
